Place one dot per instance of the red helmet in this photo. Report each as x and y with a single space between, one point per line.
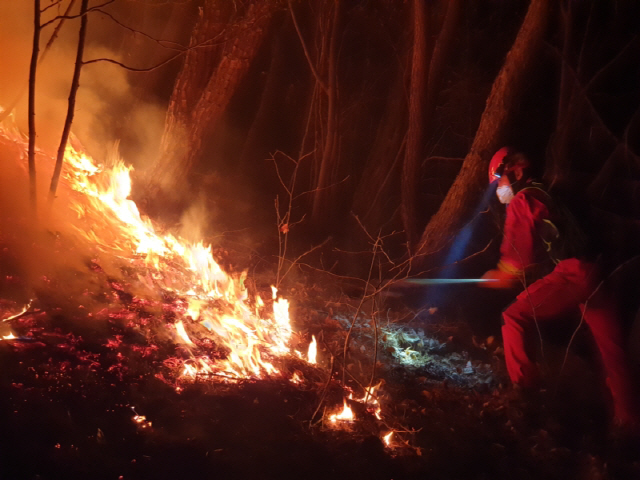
496 165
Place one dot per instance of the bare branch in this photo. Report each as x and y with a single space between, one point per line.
205 44
71 17
56 30
355 315
57 2
146 35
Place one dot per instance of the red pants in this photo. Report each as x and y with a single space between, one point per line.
559 295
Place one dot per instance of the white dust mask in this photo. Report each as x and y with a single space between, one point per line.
505 194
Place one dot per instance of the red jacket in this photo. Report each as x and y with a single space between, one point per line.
526 231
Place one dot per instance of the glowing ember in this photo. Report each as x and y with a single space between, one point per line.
313 350
141 421
346 415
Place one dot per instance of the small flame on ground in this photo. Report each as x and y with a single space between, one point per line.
387 438
313 350
11 336
296 378
141 420
24 309
345 415
370 397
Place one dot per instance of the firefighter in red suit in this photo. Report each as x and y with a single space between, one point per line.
572 288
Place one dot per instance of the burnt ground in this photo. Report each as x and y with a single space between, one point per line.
81 370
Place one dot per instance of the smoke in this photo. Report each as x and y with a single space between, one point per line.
109 104
108 107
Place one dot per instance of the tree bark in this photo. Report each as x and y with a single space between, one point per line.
467 189
32 115
205 86
382 173
75 83
413 150
439 56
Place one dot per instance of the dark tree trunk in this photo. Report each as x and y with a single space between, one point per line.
414 146
324 199
467 189
382 173
439 56
205 86
75 83
263 120
32 115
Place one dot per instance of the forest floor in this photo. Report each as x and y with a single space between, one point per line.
83 398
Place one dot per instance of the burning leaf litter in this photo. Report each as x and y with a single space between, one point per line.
220 328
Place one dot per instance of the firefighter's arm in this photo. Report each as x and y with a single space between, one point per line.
504 276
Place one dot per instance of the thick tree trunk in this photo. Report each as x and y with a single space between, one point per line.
206 85
270 99
382 173
75 83
471 182
413 150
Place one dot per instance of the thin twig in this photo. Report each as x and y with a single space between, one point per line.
146 35
57 2
355 316
324 389
322 84
71 17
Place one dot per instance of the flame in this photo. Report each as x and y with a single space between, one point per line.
387 438
313 350
296 378
11 336
370 397
24 309
182 333
345 415
233 318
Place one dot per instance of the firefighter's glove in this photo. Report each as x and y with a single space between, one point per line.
499 279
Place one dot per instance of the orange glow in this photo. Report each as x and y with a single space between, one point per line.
215 304
387 438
